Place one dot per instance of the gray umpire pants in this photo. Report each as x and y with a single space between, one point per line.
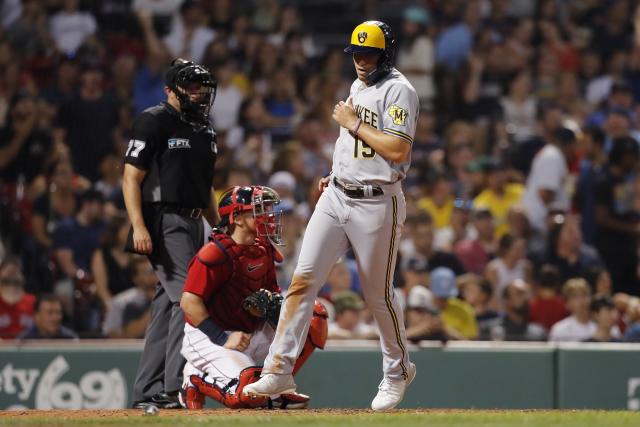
161 364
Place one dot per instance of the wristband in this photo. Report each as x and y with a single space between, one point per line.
213 331
356 126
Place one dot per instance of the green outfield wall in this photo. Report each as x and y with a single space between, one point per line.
95 375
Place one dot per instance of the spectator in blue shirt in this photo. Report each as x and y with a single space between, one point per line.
455 43
75 239
47 321
590 167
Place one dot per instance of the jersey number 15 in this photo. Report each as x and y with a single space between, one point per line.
362 149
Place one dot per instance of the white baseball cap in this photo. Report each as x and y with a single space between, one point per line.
421 298
282 179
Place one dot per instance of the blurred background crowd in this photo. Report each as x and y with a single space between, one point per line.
523 196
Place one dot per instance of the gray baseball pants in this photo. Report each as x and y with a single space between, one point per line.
371 227
161 364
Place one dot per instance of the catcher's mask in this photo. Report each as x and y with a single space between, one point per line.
195 89
374 37
262 201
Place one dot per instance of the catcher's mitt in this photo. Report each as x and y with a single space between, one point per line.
264 304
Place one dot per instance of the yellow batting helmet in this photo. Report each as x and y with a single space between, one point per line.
374 37
367 37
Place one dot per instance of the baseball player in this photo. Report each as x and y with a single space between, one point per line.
231 286
362 207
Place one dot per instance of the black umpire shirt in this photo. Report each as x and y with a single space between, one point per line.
178 159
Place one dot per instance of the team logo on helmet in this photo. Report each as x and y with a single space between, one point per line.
398 115
362 36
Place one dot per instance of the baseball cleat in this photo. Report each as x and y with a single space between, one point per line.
391 391
270 385
161 401
290 401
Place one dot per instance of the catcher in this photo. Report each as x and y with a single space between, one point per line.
231 303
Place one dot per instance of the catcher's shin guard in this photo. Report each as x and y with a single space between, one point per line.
317 336
191 397
208 389
233 400
247 376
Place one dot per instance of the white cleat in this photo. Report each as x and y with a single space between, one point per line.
270 385
391 391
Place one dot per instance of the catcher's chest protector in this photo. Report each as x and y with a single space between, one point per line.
253 269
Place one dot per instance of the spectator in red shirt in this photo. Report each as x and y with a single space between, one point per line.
547 306
16 306
476 253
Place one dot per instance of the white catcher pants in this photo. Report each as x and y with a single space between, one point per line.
371 227
221 364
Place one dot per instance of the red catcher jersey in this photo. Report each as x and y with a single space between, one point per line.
17 317
224 273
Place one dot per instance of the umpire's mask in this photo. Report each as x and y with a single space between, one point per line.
195 89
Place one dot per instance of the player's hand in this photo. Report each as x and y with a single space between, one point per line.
238 341
323 183
142 240
345 114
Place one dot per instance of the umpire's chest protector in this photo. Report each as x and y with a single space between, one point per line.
253 269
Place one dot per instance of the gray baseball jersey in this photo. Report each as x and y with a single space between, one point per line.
391 106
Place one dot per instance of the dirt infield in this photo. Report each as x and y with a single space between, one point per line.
222 412
101 413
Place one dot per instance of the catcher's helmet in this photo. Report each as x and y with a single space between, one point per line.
374 37
194 110
262 201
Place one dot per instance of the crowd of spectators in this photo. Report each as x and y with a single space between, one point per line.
523 196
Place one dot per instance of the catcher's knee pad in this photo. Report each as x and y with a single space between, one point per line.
317 336
191 397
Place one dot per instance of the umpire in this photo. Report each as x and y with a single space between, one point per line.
167 188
